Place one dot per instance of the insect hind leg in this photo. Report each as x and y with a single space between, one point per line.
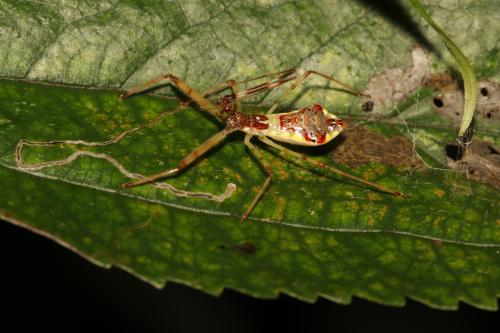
267 169
330 168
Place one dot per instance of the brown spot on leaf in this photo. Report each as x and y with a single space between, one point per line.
362 146
395 84
245 248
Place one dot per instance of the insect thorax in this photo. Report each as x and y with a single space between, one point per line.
238 120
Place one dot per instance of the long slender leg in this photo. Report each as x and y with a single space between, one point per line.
304 76
204 103
329 168
283 77
202 149
267 169
281 74
220 87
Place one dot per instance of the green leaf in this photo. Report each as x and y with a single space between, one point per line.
311 234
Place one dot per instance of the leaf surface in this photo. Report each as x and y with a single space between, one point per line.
311 234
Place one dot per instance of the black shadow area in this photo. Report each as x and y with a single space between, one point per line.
394 12
45 287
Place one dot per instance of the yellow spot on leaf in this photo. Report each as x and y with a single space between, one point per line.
283 174
379 170
382 211
439 193
374 196
368 174
438 220
279 212
354 205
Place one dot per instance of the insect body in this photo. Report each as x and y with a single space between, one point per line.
310 126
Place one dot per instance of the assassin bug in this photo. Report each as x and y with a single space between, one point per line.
310 126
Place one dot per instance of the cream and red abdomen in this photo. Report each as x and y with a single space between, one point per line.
311 126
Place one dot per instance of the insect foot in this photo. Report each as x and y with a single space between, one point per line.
399 194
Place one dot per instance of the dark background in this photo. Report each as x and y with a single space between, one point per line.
45 286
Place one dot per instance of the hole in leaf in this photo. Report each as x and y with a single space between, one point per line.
455 152
368 106
438 102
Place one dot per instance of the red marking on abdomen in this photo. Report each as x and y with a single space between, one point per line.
285 122
317 108
307 122
321 138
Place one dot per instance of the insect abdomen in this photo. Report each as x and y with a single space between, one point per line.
311 126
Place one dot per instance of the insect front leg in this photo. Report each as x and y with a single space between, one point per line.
204 103
267 169
328 167
222 86
191 157
301 80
